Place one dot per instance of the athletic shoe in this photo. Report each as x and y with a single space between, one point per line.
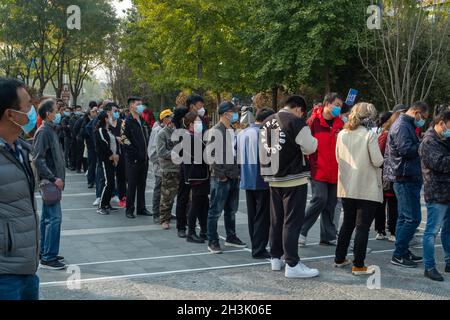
300 271
414 258
433 274
277 264
302 241
235 242
52 265
403 262
97 202
380 236
103 211
214 247
342 264
392 238
362 271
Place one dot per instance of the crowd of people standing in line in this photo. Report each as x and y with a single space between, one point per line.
344 152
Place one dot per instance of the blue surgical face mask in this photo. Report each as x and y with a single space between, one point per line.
32 120
344 119
57 119
446 133
116 115
420 123
336 111
140 109
234 117
66 114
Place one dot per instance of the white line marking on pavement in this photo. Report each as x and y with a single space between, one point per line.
155 258
143 275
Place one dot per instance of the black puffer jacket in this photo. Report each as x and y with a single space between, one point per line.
19 227
435 153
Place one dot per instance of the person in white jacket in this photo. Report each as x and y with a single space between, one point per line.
153 156
359 184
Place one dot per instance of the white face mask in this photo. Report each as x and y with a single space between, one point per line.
201 112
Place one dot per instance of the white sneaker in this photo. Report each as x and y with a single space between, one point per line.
277 264
380 236
302 241
97 202
300 271
392 238
115 199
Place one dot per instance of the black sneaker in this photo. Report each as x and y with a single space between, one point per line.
447 268
182 233
90 186
403 262
103 211
60 258
194 238
414 258
130 215
112 208
235 242
203 236
144 212
214 247
433 274
53 265
328 243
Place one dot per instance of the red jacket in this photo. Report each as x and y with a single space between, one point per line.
324 166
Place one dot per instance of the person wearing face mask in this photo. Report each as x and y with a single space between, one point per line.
225 179
120 185
196 175
325 124
402 168
435 159
18 211
156 168
135 141
169 171
48 159
74 147
77 132
285 139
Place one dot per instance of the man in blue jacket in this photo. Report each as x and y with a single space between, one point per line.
256 189
402 167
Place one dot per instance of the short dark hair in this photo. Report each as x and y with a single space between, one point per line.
193 99
420 106
263 114
101 123
443 116
46 106
383 118
330 97
78 107
8 94
133 99
92 104
296 102
109 106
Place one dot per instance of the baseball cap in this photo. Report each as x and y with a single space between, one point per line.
165 113
227 106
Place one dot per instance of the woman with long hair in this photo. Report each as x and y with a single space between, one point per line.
107 150
359 184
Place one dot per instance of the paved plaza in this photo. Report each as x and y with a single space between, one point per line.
121 258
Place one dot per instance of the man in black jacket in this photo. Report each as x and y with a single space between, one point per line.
18 213
435 154
135 141
74 144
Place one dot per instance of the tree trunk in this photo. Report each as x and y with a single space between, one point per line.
163 102
327 81
74 100
275 98
219 98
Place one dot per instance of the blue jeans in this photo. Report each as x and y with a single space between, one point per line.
438 216
19 287
409 215
50 231
224 197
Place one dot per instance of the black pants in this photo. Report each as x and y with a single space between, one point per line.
182 207
258 212
380 216
199 208
73 153
108 171
67 151
137 181
287 211
121 178
359 214
79 154
92 165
